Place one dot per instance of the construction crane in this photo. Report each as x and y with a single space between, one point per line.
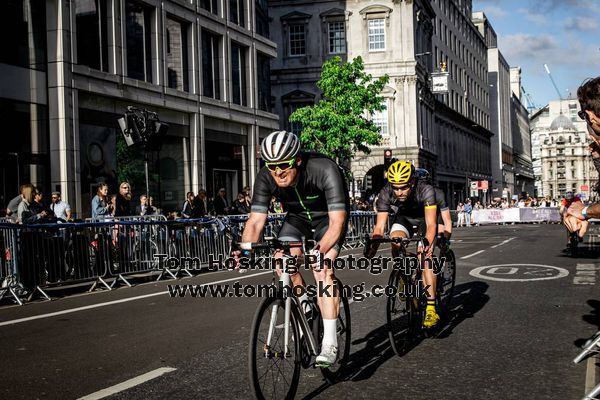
553 83
530 104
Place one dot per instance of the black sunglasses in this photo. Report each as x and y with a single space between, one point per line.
584 116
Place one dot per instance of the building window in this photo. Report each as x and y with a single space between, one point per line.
138 41
210 65
238 74
376 34
264 82
380 119
210 5
261 18
177 55
294 127
236 12
24 31
337 37
92 33
297 40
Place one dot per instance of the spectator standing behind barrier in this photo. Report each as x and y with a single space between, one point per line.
241 205
461 215
247 195
13 206
468 208
101 206
275 206
123 202
220 203
38 202
26 212
152 208
188 206
144 208
200 205
61 209
476 210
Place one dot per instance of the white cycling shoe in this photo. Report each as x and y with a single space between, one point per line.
328 356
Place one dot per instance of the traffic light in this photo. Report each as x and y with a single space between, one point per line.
368 182
387 159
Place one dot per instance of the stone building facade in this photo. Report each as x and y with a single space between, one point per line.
74 67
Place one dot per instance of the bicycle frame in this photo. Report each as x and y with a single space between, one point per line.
290 300
285 282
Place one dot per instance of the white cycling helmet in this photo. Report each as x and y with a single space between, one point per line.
279 146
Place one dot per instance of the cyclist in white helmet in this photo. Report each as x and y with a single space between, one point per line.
312 190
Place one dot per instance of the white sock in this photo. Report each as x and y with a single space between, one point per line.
304 298
329 332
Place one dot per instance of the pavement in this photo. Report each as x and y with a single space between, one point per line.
520 311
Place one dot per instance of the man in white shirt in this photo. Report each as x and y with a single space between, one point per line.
61 209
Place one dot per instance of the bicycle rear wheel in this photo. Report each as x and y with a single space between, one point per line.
273 373
344 338
401 312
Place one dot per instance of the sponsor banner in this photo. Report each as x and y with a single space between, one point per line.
490 216
512 215
526 214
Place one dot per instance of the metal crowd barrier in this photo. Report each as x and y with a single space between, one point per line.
9 282
191 243
36 257
360 224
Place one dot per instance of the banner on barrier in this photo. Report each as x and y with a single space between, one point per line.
549 214
497 216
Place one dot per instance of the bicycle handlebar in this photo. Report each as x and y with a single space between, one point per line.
272 244
399 240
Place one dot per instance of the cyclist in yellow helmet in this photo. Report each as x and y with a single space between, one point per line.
413 202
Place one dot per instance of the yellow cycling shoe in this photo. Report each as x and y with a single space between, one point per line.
431 319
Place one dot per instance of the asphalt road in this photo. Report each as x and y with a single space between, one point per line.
513 333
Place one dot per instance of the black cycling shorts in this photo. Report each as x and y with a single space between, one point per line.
408 224
296 228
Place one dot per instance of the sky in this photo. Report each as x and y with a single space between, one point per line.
564 34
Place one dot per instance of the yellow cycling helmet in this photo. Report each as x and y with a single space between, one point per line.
400 172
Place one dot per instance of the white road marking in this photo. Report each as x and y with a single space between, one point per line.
138 380
585 275
478 272
506 241
109 303
472 255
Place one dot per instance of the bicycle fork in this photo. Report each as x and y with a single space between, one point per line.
303 326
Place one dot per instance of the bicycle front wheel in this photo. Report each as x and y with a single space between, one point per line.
400 313
446 281
274 372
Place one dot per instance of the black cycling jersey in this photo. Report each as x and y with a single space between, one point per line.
320 188
421 196
440 200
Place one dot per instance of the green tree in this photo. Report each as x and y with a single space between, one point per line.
337 125
130 164
130 167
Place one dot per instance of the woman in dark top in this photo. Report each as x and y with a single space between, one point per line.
123 206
